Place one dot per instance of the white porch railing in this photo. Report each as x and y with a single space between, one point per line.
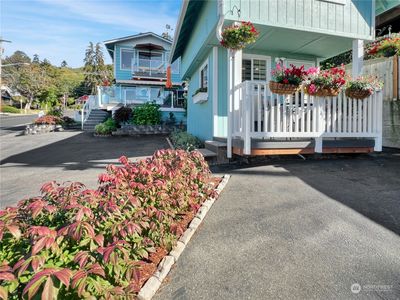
258 113
90 104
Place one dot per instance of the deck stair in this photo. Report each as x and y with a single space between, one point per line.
96 116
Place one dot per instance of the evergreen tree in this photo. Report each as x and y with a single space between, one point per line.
95 70
64 64
36 59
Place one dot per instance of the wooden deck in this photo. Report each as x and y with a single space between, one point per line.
301 146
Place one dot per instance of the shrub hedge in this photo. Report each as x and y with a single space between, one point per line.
75 243
185 141
106 127
49 120
9 109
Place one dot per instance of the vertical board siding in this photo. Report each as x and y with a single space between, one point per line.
354 18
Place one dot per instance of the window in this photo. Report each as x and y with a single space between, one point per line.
204 75
255 68
126 59
166 99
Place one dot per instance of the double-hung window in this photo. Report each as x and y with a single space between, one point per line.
255 68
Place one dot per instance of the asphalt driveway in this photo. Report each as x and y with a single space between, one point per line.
29 161
298 230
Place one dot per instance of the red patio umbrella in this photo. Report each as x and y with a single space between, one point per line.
168 84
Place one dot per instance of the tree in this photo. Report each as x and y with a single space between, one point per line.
30 81
95 70
64 64
35 59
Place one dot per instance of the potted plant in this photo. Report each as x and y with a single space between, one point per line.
286 80
238 36
200 95
325 82
386 47
362 87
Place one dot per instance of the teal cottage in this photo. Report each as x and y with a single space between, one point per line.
140 65
229 100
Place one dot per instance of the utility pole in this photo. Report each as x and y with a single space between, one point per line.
1 62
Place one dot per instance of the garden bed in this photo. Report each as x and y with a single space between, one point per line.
133 130
108 242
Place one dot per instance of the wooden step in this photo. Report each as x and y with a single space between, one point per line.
207 153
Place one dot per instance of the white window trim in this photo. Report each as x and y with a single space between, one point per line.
208 73
267 58
120 57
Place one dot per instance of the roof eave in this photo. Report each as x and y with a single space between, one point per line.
178 27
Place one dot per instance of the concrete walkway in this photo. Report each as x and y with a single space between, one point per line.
298 230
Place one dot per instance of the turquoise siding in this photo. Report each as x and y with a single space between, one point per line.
121 74
200 116
346 18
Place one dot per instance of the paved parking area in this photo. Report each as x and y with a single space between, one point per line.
294 229
29 161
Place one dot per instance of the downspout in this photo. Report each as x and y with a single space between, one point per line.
221 18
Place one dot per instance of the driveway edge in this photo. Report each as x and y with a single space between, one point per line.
154 282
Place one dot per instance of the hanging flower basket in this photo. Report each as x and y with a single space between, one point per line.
283 88
362 87
322 92
286 80
237 37
358 94
325 83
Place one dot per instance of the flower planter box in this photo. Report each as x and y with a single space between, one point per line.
200 98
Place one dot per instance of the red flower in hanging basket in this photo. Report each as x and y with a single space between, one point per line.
239 36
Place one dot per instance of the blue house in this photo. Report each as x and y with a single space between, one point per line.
140 65
229 100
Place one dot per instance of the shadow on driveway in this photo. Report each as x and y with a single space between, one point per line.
84 151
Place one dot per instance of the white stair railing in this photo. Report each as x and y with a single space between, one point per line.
87 108
259 113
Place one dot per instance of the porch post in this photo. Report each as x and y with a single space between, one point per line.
357 58
235 78
99 100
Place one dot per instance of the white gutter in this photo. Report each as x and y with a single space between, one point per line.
178 27
221 18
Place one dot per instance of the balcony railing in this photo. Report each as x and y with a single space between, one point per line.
149 67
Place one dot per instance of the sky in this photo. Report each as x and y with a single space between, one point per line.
61 29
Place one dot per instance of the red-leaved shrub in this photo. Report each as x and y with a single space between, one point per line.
82 243
49 120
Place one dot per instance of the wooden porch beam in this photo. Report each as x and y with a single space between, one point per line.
294 151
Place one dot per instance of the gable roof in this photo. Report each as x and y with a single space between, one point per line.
135 36
110 43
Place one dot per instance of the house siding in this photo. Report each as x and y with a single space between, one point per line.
346 18
200 116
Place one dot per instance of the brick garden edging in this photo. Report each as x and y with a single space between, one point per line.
154 282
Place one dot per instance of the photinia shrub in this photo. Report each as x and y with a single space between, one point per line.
76 243
49 120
